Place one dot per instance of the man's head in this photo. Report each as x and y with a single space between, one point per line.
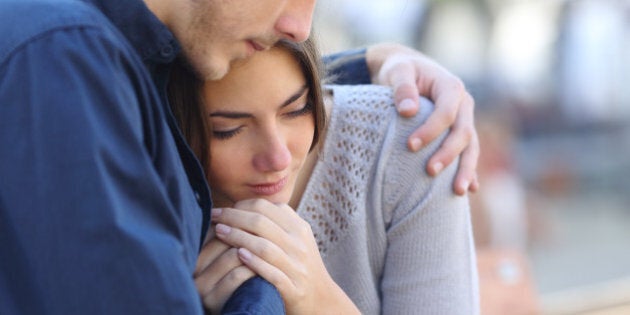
215 33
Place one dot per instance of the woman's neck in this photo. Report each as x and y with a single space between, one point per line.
309 164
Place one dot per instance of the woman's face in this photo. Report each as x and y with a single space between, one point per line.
262 128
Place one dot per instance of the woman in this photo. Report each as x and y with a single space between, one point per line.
370 233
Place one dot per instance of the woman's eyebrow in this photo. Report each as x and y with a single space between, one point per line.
295 96
230 114
239 115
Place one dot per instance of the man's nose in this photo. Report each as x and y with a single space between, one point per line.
295 23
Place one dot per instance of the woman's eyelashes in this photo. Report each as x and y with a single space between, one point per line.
307 109
226 134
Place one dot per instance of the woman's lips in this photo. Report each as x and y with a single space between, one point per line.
268 189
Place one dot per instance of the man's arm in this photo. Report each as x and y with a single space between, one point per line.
410 73
86 224
348 67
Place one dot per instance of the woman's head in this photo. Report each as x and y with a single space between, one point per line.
262 119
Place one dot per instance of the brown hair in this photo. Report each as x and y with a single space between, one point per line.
187 103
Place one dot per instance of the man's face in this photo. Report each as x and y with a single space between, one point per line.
215 33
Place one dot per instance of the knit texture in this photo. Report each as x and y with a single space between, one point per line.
396 240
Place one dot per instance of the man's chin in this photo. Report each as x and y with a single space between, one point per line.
215 73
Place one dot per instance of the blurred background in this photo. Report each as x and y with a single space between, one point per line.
551 81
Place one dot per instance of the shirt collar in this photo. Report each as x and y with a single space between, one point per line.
147 34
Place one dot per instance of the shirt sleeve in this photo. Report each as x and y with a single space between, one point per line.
430 264
86 225
348 67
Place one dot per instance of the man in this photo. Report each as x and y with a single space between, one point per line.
102 204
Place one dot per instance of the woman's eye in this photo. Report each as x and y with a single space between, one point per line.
306 109
223 135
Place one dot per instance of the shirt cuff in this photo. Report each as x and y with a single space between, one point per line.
348 67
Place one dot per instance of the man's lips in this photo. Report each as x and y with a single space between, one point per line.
267 189
257 46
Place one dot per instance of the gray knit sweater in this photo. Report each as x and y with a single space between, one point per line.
395 240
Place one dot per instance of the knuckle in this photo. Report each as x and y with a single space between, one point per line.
242 204
232 254
265 251
469 100
445 118
256 221
302 251
458 84
304 227
239 275
259 203
450 117
468 133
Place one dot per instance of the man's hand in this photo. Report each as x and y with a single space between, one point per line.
219 272
410 73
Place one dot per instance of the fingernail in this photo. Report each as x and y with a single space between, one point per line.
406 105
244 254
416 143
216 212
222 229
437 167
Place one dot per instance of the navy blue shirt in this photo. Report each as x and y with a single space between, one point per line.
102 204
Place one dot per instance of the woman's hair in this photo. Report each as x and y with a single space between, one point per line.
187 103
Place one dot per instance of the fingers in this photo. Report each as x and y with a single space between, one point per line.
255 223
448 103
461 140
214 298
262 218
216 282
210 252
281 214
403 80
268 271
262 247
208 278
466 179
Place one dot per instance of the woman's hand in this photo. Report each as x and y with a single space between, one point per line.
219 272
410 73
279 246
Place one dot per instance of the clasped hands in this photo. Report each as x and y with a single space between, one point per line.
258 237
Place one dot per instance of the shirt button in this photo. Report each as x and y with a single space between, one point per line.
166 51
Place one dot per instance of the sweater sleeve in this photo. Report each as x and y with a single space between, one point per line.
430 262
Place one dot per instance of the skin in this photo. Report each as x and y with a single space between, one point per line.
411 73
262 130
216 33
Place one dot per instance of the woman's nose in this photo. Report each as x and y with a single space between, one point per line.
274 155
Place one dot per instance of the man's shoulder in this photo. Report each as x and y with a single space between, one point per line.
24 20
